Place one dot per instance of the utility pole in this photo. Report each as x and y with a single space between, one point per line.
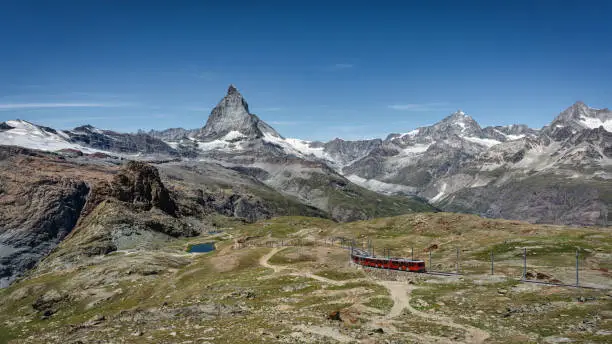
430 266
577 267
492 260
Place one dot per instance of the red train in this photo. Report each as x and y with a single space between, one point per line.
402 264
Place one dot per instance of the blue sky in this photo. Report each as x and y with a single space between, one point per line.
313 70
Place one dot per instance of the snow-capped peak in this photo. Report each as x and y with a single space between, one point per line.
25 134
232 114
580 116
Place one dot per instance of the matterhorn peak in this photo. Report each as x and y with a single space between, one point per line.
232 90
232 115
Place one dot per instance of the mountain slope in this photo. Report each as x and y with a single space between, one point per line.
46 198
495 171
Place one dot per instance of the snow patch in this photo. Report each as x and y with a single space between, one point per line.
480 181
593 123
305 148
509 137
172 144
216 144
514 137
233 135
440 194
297 147
419 148
381 187
482 142
411 133
27 135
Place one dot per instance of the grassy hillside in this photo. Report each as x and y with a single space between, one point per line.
281 295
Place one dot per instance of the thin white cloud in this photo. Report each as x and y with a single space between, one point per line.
418 107
21 106
343 65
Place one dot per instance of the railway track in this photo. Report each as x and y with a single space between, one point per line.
362 255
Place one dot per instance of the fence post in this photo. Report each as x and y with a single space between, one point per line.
457 267
524 264
577 267
430 266
412 253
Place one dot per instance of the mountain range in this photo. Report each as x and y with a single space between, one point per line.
556 174
110 191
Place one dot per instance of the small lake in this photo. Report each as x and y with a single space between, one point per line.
202 248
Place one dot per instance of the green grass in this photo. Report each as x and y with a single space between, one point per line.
6 335
283 227
283 258
498 250
383 303
340 275
186 280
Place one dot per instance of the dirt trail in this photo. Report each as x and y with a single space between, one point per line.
400 293
263 261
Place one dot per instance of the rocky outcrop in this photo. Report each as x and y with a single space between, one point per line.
139 183
44 198
5 126
172 134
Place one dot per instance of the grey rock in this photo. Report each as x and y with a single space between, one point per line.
108 140
232 114
4 126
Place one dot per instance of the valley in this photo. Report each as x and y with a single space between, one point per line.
246 291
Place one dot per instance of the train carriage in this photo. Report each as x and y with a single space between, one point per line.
401 264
